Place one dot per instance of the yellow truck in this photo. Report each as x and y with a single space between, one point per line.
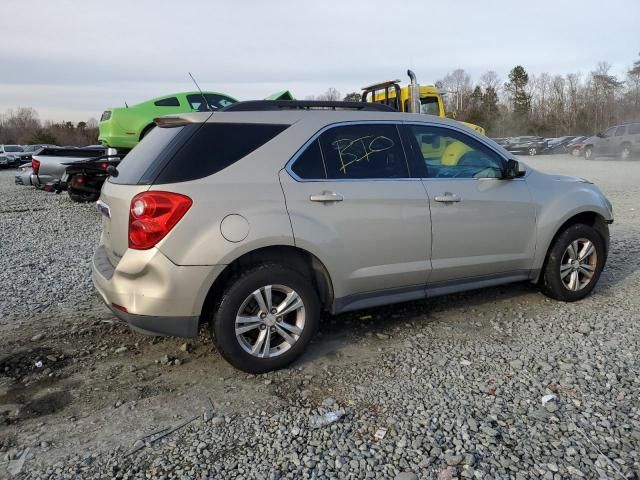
425 98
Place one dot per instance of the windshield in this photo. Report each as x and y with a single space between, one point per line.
429 105
12 148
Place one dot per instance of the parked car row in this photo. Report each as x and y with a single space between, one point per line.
621 141
15 155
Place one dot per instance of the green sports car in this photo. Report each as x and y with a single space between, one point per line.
125 127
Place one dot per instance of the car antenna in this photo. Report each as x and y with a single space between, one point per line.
202 94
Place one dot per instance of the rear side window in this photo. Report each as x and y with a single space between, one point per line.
197 102
216 146
634 129
363 151
167 102
620 131
138 161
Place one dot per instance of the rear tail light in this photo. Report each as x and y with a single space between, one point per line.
35 165
152 215
104 165
79 180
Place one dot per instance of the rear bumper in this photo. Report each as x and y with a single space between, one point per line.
152 325
152 294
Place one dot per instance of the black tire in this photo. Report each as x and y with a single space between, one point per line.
84 197
239 288
551 282
588 153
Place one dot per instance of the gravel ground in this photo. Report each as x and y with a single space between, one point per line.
498 383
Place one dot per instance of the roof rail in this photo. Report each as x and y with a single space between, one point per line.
270 105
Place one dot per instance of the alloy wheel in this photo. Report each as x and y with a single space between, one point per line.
578 264
532 151
270 321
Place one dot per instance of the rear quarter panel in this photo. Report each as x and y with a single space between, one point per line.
249 188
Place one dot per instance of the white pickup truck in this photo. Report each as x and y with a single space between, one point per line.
48 165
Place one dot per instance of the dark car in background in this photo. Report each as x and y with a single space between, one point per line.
575 146
621 141
501 141
557 145
527 145
13 155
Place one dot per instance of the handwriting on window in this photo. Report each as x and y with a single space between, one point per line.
354 150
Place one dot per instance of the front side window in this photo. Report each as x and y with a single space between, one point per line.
167 102
448 153
363 151
215 101
429 105
620 131
609 132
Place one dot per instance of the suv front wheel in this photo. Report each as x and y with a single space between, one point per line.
574 263
266 318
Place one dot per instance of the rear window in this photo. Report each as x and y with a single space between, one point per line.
138 161
215 146
71 152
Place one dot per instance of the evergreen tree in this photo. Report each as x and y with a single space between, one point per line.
520 99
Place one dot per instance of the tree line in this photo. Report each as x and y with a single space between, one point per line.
23 127
546 105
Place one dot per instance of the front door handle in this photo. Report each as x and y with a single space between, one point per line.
447 198
326 197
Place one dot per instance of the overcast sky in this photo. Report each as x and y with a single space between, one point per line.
71 59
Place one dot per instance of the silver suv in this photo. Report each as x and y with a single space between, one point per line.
621 141
256 219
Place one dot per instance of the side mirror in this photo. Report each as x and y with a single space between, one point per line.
512 170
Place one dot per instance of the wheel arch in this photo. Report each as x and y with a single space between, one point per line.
296 258
145 130
587 217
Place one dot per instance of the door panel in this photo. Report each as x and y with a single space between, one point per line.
375 238
491 229
352 203
481 224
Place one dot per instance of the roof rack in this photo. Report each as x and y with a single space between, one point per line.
270 105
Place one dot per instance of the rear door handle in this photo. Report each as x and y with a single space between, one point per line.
326 197
447 198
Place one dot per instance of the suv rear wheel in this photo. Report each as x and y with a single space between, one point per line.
574 264
266 318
